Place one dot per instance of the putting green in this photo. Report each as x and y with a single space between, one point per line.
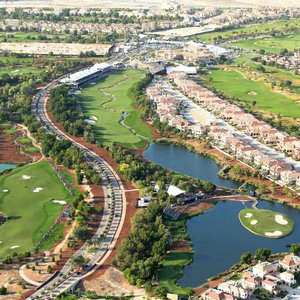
266 223
26 196
106 100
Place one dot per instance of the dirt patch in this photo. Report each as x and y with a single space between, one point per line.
111 281
9 151
198 208
10 278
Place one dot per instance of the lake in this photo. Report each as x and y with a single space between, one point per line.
4 167
217 236
219 239
182 160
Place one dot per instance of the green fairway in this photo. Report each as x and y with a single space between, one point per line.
107 100
26 196
172 270
265 28
21 70
266 223
271 44
235 84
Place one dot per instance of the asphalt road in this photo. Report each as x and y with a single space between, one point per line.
113 214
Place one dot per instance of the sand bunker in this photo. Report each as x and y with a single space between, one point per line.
252 93
26 177
93 118
37 190
91 122
62 202
274 233
253 222
14 247
5 191
248 215
281 220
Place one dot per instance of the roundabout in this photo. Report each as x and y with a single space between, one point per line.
266 223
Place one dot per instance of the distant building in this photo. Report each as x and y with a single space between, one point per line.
185 69
95 72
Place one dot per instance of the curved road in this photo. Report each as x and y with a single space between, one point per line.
113 214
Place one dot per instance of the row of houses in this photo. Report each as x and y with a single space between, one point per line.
168 108
243 150
288 61
264 275
237 117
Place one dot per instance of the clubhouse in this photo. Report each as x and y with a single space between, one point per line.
97 71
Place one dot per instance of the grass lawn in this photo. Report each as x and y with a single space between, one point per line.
271 44
172 270
108 112
252 29
10 131
21 70
25 140
30 214
234 84
265 222
32 149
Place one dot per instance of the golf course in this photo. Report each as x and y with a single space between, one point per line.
109 107
26 199
234 83
266 223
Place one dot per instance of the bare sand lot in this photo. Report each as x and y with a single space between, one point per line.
148 3
56 48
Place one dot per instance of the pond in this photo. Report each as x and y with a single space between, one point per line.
182 160
4 167
219 239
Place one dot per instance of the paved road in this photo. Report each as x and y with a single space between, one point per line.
113 214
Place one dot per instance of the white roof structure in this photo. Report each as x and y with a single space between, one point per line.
85 73
175 191
185 69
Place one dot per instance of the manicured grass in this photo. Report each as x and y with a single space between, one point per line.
172 270
265 221
234 84
30 213
25 140
10 131
265 28
21 70
32 149
107 127
271 44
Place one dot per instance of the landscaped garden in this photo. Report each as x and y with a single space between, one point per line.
26 199
266 223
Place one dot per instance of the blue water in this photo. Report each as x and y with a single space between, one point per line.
219 240
182 160
4 167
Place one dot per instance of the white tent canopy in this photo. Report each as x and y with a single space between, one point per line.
175 191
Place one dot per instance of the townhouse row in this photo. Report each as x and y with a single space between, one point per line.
234 115
268 276
277 169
